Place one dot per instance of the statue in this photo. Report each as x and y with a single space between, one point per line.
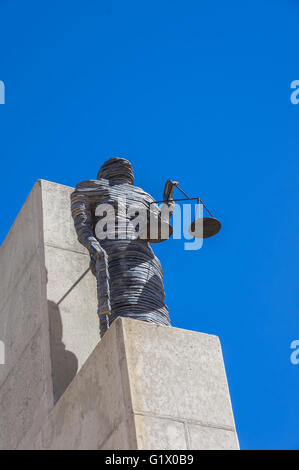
129 275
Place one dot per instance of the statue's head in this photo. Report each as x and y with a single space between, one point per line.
117 169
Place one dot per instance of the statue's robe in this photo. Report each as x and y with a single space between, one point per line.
129 273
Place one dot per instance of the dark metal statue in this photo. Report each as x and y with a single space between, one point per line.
129 275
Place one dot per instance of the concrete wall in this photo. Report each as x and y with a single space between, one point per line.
95 412
46 342
73 320
145 387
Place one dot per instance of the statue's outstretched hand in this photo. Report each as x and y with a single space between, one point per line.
168 190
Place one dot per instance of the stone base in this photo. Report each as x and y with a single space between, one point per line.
48 321
145 387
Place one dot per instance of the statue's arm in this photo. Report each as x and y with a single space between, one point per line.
82 213
165 212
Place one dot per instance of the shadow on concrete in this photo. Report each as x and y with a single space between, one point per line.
64 362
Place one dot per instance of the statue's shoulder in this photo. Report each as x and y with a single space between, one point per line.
91 186
88 184
88 190
143 193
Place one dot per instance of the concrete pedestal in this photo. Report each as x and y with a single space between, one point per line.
47 336
145 387
142 386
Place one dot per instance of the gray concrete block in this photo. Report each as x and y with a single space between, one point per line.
20 316
101 409
208 438
177 373
160 433
117 439
92 413
40 260
23 396
20 244
25 378
58 225
73 319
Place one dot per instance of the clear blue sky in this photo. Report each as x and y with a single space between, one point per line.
198 92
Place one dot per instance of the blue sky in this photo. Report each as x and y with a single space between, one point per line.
189 90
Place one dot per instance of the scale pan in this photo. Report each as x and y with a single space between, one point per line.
204 227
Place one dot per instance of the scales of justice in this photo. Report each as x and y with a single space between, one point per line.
201 227
129 275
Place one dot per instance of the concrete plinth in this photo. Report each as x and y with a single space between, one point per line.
145 387
142 386
47 337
